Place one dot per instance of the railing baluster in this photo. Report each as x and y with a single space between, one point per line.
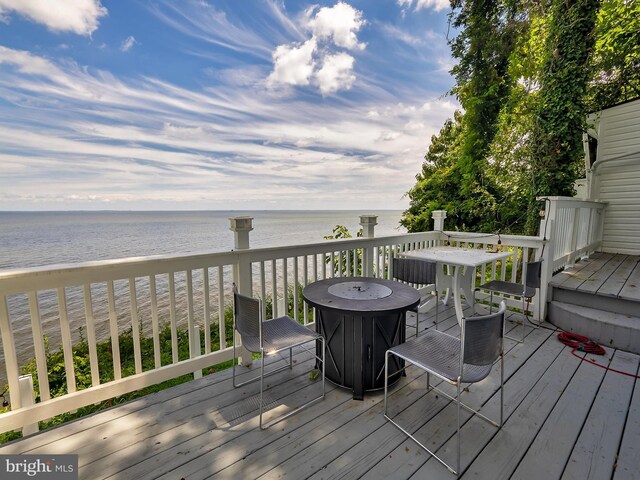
91 336
514 264
263 291
332 264
315 267
135 325
222 329
172 318
155 328
348 270
190 315
305 282
285 286
274 289
207 311
67 346
296 314
10 357
38 344
113 328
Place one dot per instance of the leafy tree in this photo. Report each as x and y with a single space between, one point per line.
436 187
556 139
616 60
528 73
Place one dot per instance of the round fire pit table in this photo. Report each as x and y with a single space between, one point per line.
360 319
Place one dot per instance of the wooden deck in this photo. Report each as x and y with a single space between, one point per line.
565 418
607 274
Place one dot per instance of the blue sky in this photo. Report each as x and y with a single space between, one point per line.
230 105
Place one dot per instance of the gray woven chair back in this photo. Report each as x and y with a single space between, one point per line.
482 338
246 311
420 272
534 270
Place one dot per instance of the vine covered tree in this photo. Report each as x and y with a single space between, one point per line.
556 138
528 73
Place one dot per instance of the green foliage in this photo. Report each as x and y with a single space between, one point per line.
556 137
483 83
528 73
436 183
343 265
616 59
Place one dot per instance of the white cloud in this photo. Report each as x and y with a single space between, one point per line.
293 65
137 142
339 23
336 73
78 16
331 28
128 43
436 5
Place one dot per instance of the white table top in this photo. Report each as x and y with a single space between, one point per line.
464 257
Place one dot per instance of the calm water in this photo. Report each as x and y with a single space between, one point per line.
31 239
34 239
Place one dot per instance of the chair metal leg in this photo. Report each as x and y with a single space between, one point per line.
305 405
235 360
437 307
399 427
261 385
501 382
523 327
458 432
386 380
524 320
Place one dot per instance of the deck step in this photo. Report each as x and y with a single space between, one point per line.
608 303
610 329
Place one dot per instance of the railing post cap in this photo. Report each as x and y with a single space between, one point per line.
368 219
439 214
241 223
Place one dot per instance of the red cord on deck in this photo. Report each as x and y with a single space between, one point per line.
579 342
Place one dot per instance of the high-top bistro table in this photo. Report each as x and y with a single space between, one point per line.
360 319
458 259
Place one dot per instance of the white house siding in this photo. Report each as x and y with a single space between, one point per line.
616 177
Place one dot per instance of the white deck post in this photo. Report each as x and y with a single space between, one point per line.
438 220
28 399
196 349
540 306
241 226
368 223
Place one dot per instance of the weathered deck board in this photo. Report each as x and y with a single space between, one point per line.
631 289
627 467
606 274
602 274
566 274
207 429
616 282
548 454
594 454
578 277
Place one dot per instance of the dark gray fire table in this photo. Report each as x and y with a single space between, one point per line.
361 318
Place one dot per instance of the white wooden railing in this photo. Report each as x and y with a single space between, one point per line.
574 227
142 295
